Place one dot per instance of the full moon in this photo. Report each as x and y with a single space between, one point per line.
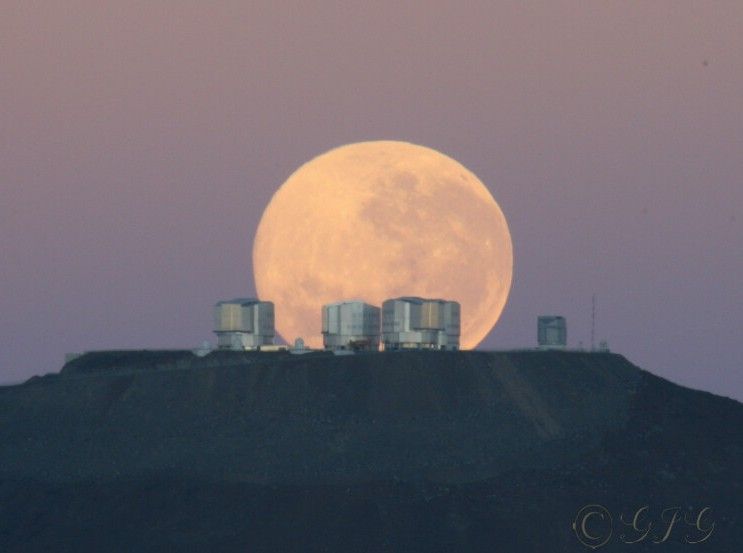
379 220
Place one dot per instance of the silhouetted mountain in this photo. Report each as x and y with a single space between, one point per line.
406 451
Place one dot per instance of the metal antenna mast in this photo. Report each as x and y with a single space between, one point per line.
593 322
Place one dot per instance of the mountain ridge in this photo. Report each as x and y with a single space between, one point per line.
448 444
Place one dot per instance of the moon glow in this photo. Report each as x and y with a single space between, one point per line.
377 220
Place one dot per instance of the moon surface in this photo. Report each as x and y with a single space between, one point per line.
378 220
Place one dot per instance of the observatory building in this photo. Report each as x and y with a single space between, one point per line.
420 323
552 332
244 323
350 325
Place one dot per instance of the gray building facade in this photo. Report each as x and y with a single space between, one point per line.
552 332
244 324
350 325
420 323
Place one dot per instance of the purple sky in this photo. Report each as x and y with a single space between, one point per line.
140 145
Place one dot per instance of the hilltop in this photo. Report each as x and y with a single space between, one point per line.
399 451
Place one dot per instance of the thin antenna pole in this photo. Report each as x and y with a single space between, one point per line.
593 322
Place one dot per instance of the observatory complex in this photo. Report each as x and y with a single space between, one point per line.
407 322
244 324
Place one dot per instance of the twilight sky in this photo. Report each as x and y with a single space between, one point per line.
140 142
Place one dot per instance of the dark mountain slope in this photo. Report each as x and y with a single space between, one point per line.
412 451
